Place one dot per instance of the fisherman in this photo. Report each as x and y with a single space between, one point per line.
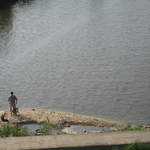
12 102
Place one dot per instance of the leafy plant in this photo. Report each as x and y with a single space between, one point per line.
10 130
132 128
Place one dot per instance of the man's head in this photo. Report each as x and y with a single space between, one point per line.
11 93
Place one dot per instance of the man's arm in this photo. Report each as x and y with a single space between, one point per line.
16 99
9 100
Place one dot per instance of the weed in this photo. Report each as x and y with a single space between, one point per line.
132 128
10 130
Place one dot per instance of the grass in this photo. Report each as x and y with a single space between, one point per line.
10 130
18 130
135 146
46 129
132 128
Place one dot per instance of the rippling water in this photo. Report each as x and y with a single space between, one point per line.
87 56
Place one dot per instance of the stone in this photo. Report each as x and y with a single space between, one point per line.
68 131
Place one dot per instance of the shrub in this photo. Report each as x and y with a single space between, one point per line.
132 128
10 130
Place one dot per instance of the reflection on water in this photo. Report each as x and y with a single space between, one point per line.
5 25
5 16
6 11
6 22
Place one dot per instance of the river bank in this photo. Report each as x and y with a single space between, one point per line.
57 117
63 122
66 122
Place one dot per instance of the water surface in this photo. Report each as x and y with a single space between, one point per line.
88 56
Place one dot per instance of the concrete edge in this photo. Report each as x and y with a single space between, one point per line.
66 141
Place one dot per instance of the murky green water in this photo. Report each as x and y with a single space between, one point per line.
86 56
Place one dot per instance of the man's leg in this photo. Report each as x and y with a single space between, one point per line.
11 109
14 109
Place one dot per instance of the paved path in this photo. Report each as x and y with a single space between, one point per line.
55 141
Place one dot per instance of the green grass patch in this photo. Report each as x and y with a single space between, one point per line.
132 128
19 130
10 130
136 146
46 129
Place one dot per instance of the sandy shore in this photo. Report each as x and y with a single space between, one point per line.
59 118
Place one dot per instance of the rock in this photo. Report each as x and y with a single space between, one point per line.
85 131
113 129
68 131
146 126
3 118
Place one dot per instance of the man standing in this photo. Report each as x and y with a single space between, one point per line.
12 102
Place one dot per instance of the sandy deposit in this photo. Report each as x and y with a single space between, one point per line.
59 118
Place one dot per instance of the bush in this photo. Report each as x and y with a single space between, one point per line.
136 146
132 128
10 130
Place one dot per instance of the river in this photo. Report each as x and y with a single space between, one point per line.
87 56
